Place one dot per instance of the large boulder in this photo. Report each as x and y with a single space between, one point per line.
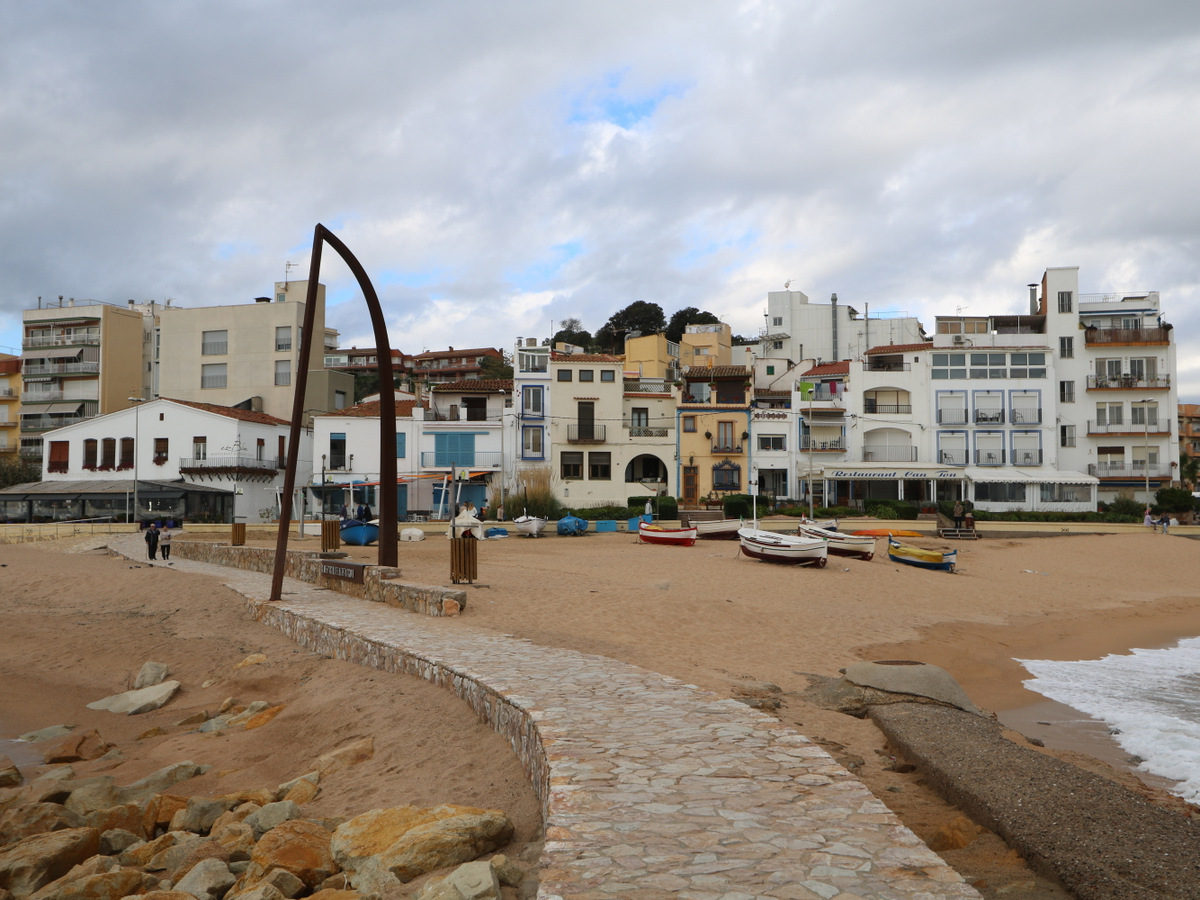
268 817
36 861
10 775
132 703
384 847
471 881
36 818
158 781
151 673
200 813
76 747
91 794
112 884
125 816
209 879
298 846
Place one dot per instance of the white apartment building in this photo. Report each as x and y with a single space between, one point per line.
529 444
796 329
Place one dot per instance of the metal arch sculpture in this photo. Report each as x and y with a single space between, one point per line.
387 410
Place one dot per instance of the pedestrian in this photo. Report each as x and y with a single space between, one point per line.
151 538
366 512
1148 519
358 513
344 513
164 543
1165 521
958 515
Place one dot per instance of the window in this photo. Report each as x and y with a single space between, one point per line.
126 453
949 365
531 442
587 375
200 447
89 453
608 375
1066 347
1066 392
401 445
564 374
453 450
689 424
161 448
1066 493
777 345
1145 414
726 477
1066 435
770 370
260 449
337 450
1064 301
339 399
60 456
212 375
283 372
531 401
725 436
108 454
600 466
1111 413
572 466
639 417
777 321
771 442
1000 491
283 338
214 343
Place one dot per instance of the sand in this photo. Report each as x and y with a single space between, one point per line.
81 625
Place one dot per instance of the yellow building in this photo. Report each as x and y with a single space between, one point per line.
10 404
714 432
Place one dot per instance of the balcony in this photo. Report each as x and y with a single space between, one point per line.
41 396
1129 336
46 423
887 365
586 434
1027 457
640 430
887 409
953 457
9 423
61 340
480 459
989 417
952 417
1128 382
833 445
461 414
1129 471
644 386
1131 428
223 466
989 457
1028 416
72 368
726 449
888 453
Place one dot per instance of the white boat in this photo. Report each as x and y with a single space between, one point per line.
718 529
860 545
658 534
789 549
529 526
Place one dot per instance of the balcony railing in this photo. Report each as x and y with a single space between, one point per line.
989 417
480 459
883 365
31 452
989 457
586 434
190 464
1026 457
952 417
461 414
9 423
74 368
887 409
1095 427
644 386
1128 382
726 449
41 396
61 340
1125 470
45 423
819 446
1154 335
953 457
886 453
1031 416
647 431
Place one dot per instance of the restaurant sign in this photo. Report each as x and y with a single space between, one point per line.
895 474
345 571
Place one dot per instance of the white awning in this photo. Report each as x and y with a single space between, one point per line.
1028 476
893 472
52 353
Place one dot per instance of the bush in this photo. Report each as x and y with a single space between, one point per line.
664 507
1126 508
1174 500
891 509
739 506
602 513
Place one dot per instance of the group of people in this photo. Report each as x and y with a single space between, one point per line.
1163 521
362 514
158 540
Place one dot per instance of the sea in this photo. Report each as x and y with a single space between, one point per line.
1149 700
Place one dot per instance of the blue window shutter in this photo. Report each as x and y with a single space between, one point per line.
400 445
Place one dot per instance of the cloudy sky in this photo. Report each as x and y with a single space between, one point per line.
498 167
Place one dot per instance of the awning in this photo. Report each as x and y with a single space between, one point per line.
40 409
52 353
893 472
1028 476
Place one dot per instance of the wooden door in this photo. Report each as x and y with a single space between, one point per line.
691 479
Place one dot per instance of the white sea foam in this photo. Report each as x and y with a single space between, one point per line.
1150 698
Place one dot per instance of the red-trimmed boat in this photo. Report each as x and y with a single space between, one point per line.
658 534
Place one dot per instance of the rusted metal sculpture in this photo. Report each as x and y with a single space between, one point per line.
387 411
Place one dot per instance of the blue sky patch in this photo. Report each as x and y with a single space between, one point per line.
608 100
539 273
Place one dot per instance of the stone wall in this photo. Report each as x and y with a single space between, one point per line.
379 582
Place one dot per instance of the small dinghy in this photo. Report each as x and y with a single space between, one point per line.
921 558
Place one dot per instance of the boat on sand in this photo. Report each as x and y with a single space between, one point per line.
860 545
650 533
920 557
789 549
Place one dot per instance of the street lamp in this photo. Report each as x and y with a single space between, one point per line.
137 404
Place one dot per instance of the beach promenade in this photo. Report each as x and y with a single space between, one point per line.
650 787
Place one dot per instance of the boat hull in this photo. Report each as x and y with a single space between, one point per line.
720 530
656 534
530 526
861 546
922 559
785 549
359 534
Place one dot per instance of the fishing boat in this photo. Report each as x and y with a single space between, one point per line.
529 526
359 534
718 529
924 559
659 534
789 549
888 532
862 546
570 526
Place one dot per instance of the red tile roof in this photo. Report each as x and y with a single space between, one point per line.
470 351
244 415
717 371
899 348
370 409
834 368
585 357
480 386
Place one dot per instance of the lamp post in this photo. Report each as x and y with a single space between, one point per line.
137 404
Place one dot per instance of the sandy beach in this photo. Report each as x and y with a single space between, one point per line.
79 624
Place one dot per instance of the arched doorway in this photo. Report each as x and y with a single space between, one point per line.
648 470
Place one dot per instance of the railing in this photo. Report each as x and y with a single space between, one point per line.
61 340
1027 457
953 457
462 414
658 386
989 416
75 368
480 459
1026 416
726 449
885 453
8 423
42 396
45 423
887 409
586 434
881 365
818 395
1153 335
1095 427
30 452
989 457
1128 382
209 463
1124 470
646 431
819 446
7 392
214 348
952 417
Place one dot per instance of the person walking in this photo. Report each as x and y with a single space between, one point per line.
164 543
151 538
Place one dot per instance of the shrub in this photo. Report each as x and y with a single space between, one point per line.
739 506
1126 508
534 495
602 513
891 509
1174 500
664 507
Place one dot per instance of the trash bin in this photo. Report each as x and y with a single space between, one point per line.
238 536
331 535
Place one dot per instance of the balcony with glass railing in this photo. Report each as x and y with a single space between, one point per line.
1136 469
1152 427
61 340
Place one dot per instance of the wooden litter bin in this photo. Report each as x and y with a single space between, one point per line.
464 559
331 535
238 537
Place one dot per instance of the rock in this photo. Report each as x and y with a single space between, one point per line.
338 882
237 838
156 731
10 775
209 879
159 781
216 723
151 673
259 796
346 756
475 881
109 885
451 607
46 733
228 705
313 777
36 861
37 818
143 853
132 703
271 815
285 882
509 873
297 846
208 849
261 891
249 712
170 859
302 792
385 845
117 840
126 816
335 894
262 718
196 718
238 815
165 895
200 813
909 677
91 794
160 810
254 659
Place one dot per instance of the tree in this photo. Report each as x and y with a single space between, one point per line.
18 471
491 367
1189 470
640 315
689 315
572 332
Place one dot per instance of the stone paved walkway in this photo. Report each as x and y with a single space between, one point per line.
651 788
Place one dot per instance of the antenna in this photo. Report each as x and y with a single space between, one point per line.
287 270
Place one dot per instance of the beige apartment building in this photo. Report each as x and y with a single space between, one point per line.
78 360
10 404
247 355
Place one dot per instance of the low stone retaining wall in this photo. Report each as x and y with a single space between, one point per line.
378 584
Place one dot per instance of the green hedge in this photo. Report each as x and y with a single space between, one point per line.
664 507
891 509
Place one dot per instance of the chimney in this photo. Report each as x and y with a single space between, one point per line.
1033 300
833 310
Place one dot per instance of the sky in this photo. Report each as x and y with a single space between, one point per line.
500 167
